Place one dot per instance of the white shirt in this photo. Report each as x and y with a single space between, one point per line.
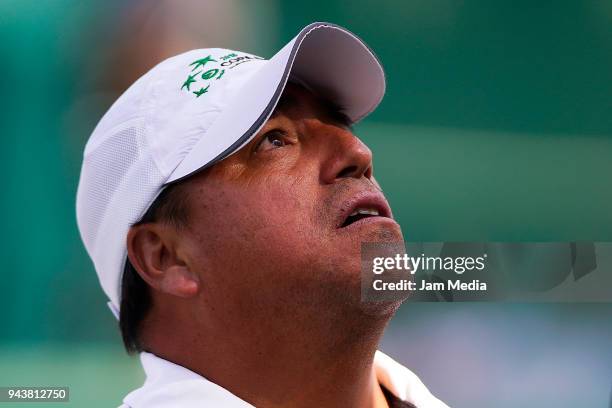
171 385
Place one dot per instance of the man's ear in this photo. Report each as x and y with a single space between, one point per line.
152 250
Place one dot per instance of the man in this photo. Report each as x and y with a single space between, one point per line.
223 199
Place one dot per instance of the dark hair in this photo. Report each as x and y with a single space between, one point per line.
169 207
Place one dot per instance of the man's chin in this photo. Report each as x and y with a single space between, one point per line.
381 309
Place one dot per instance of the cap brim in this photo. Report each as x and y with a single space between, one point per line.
328 59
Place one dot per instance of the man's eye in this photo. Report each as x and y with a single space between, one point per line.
272 140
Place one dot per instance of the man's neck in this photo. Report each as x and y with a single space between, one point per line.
304 363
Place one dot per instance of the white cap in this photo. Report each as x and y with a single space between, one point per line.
195 109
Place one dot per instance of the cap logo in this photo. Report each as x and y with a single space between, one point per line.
206 69
229 61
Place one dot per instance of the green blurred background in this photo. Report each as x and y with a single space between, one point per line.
497 125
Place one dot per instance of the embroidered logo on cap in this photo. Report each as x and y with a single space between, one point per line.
208 68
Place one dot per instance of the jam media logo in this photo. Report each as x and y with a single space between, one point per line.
487 271
207 69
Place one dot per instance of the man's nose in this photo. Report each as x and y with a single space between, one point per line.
347 157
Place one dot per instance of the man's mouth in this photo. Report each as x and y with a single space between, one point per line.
362 207
359 214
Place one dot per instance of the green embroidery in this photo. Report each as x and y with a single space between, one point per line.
190 79
201 62
228 56
201 92
210 73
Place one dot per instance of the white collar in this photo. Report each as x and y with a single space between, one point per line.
171 385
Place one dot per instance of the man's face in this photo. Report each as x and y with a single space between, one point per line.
271 226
